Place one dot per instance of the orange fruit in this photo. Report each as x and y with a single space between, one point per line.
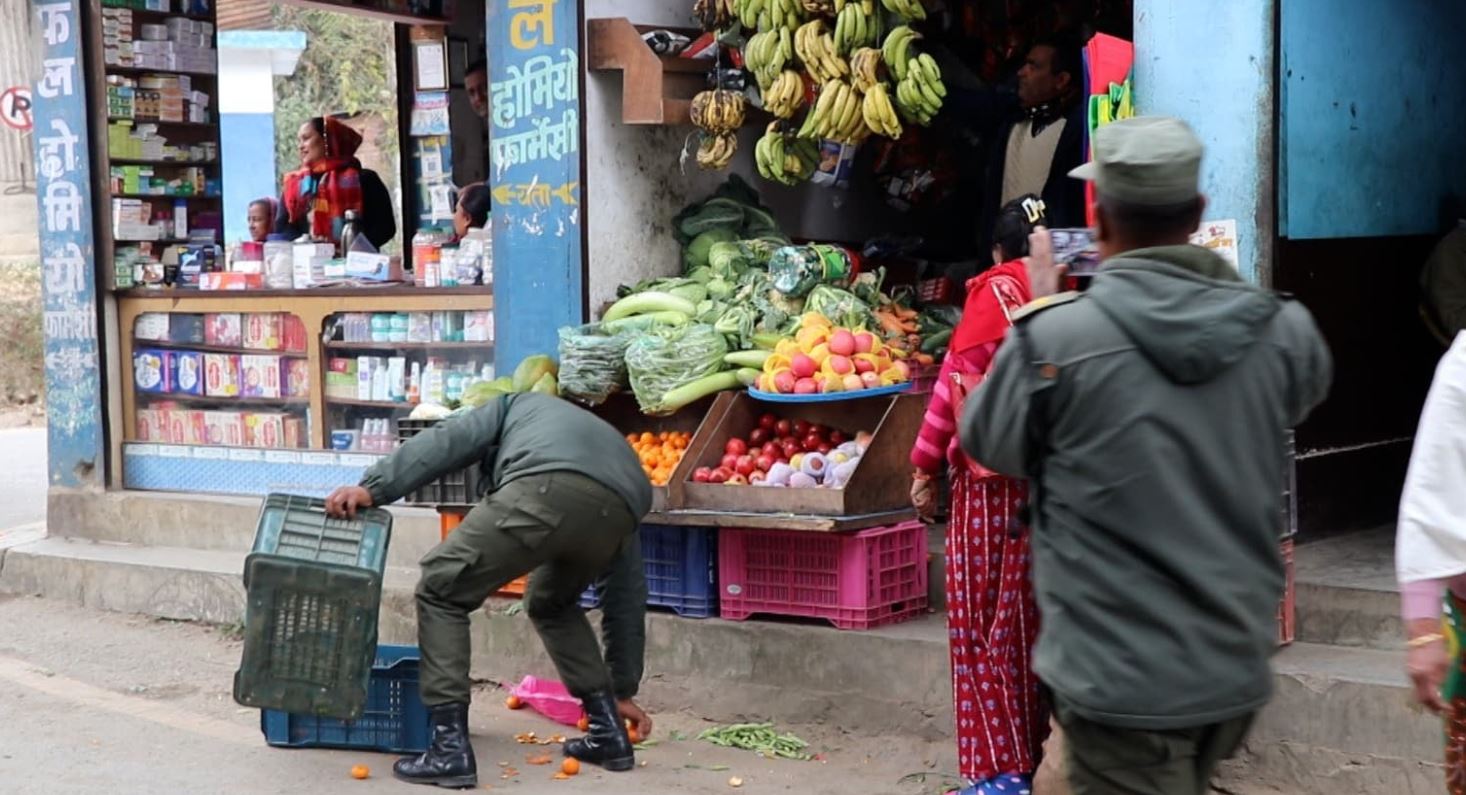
514 702
633 734
584 724
570 766
359 772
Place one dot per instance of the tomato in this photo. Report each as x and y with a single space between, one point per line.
774 449
720 475
757 437
736 446
746 465
792 448
812 443
801 428
768 422
765 462
729 462
702 475
783 428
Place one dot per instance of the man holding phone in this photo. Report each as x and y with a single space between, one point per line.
1149 414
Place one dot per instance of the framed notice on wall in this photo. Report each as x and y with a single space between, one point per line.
430 64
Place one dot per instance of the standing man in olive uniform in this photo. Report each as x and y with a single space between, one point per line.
564 497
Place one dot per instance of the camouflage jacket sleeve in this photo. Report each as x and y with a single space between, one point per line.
447 447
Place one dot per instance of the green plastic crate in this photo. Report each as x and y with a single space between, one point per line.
297 527
310 635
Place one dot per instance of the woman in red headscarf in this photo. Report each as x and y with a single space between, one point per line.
330 182
992 618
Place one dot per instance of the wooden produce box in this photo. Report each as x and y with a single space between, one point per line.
621 411
881 483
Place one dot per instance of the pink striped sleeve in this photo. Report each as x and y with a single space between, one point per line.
934 441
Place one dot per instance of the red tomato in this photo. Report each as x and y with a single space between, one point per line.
702 475
757 437
768 422
729 462
746 464
783 428
801 428
792 448
765 462
736 446
719 475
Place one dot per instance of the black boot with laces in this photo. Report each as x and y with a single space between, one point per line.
449 760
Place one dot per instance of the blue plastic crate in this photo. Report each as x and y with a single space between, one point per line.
395 720
681 570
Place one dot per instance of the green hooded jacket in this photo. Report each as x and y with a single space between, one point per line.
1158 447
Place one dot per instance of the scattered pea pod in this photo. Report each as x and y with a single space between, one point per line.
759 738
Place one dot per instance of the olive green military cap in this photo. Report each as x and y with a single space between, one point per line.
1147 160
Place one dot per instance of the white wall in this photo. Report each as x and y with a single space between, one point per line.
635 185
246 81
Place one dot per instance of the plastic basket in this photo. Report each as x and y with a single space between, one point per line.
681 570
1287 612
395 720
856 580
310 633
457 488
297 527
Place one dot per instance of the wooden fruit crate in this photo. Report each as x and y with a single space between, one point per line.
882 481
621 411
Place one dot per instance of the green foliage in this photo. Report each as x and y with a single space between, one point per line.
349 66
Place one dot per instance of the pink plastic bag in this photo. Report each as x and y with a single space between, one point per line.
549 698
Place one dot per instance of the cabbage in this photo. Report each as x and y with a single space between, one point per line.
700 249
668 357
842 307
736 323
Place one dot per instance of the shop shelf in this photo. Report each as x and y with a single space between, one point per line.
297 527
193 346
456 489
681 566
658 89
1287 613
370 404
227 401
198 125
149 70
485 347
855 581
132 161
394 720
310 630
168 196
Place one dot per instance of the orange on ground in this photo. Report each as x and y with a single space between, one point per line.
360 771
583 724
633 734
570 766
514 702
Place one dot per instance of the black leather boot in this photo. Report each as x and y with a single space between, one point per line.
607 744
449 761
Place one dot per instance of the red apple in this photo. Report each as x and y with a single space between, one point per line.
842 343
758 477
801 428
864 366
736 446
792 448
806 386
765 462
767 422
783 428
757 437
702 475
784 382
746 465
772 449
838 438
811 443
720 475
802 365
864 342
736 479
729 462
841 365
824 448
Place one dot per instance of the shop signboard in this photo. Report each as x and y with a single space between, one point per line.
63 190
535 172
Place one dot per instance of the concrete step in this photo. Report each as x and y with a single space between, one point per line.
1347 594
890 680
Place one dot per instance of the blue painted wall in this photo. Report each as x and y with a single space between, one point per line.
247 142
1211 64
1372 115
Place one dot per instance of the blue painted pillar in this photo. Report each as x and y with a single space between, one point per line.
535 174
68 256
1213 65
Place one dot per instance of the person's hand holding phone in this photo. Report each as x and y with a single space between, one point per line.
1045 276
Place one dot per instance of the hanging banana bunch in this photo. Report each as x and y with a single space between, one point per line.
716 150
785 159
718 110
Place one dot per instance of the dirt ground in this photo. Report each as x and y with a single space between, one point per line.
100 702
21 366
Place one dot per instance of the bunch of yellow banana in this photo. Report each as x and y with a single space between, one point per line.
772 14
718 110
836 114
818 8
908 10
815 48
896 51
785 95
880 116
864 66
766 53
856 27
716 150
715 15
783 159
919 94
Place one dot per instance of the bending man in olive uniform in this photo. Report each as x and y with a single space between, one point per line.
565 495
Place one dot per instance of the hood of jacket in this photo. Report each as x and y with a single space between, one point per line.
1185 308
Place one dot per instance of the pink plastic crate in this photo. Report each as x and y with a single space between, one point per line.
854 580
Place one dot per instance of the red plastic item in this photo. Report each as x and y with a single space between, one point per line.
854 580
1287 614
549 698
939 290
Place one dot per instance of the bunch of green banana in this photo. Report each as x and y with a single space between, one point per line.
718 111
896 51
748 11
815 48
785 95
780 14
855 28
836 114
880 116
864 64
783 159
908 10
716 151
919 95
765 54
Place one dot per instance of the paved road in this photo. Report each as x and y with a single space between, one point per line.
22 476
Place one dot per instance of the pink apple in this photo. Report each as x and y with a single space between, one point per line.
840 365
853 382
784 382
863 365
842 343
802 365
864 342
806 386
871 380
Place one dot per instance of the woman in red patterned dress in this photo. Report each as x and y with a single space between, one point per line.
992 619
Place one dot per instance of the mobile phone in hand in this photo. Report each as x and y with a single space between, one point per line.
1076 249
